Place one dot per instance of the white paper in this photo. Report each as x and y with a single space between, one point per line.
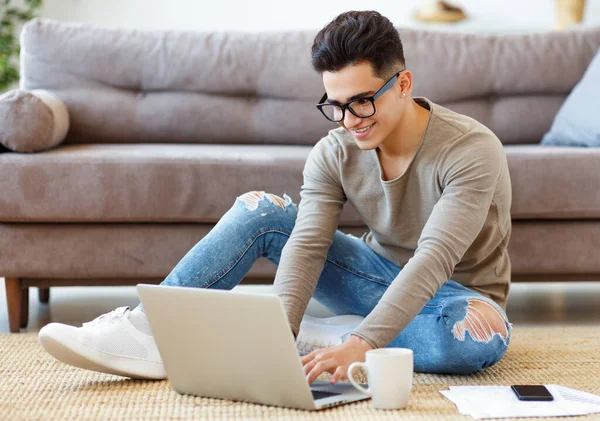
463 407
501 402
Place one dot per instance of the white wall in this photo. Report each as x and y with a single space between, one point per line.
498 16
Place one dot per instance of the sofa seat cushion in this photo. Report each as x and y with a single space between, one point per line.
199 183
146 182
553 182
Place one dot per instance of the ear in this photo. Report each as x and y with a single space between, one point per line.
405 83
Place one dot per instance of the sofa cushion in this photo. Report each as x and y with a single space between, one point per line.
144 182
192 87
553 182
199 183
32 121
577 122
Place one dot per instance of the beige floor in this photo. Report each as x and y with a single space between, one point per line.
529 304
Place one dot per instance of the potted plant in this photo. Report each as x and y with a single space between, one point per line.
11 19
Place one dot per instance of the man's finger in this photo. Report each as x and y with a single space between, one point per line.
318 369
338 375
310 357
309 366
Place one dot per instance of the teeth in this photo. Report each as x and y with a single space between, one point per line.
364 129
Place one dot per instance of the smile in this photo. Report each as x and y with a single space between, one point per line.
364 129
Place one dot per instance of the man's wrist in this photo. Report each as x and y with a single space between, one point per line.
358 341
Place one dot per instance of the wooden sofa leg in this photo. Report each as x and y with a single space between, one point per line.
44 295
24 307
14 301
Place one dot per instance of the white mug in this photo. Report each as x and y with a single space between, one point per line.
390 376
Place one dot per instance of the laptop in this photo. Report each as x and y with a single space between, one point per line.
233 345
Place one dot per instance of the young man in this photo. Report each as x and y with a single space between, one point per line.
432 274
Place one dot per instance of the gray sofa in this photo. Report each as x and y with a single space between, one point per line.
167 128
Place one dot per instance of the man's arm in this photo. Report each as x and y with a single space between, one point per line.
470 175
304 255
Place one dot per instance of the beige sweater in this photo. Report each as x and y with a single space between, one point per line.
446 217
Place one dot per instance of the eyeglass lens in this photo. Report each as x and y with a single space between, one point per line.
361 107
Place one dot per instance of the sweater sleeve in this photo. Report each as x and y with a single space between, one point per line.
303 257
469 173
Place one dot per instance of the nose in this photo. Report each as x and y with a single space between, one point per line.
350 120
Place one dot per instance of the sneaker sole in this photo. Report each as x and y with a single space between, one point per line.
72 352
343 320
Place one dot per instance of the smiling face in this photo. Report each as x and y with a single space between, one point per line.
358 79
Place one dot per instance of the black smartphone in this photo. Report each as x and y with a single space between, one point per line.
532 393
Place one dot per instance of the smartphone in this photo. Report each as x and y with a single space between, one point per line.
532 393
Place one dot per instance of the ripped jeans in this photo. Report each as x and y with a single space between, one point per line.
458 331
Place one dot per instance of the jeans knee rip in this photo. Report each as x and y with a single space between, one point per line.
477 324
251 199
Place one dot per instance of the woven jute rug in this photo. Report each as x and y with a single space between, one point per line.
33 386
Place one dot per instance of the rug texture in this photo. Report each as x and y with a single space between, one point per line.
34 386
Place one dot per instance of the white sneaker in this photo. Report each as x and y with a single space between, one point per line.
316 333
108 344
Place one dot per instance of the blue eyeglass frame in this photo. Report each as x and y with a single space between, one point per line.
346 106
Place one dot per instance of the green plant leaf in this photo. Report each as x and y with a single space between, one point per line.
34 4
11 16
26 16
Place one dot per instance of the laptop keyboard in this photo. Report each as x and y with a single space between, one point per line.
319 394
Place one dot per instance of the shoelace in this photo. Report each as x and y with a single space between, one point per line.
108 317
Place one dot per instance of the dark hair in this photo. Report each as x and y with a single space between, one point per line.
354 37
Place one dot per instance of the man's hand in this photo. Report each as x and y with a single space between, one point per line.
335 359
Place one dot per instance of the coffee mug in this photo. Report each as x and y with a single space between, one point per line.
390 376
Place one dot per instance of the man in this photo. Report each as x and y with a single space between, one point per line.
432 274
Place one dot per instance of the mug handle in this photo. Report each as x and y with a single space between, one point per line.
351 377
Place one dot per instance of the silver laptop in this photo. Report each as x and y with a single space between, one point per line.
232 345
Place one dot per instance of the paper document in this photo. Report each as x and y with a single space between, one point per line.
501 402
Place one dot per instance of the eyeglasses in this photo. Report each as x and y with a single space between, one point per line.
360 107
